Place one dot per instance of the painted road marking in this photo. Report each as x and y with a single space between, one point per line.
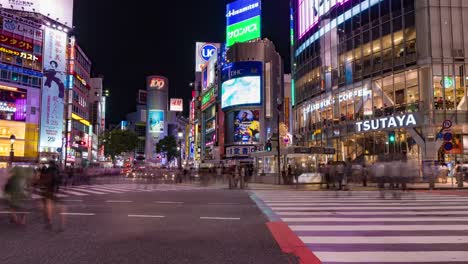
394 257
378 227
219 218
147 216
381 219
72 201
78 214
5 212
169 202
118 201
384 240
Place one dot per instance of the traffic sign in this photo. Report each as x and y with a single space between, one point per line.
448 146
440 135
447 124
448 136
59 150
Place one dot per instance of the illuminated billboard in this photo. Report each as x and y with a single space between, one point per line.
310 12
156 121
176 105
203 52
242 84
58 10
13 104
243 21
247 126
53 89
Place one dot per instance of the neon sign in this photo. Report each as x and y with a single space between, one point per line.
387 122
7 107
157 83
23 55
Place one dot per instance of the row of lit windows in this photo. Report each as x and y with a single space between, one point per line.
22 79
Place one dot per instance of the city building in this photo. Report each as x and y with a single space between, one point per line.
156 111
375 79
210 111
98 116
80 100
21 73
251 98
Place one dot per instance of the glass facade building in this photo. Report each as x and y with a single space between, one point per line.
376 77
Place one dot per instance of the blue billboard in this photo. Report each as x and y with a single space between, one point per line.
156 121
241 84
242 10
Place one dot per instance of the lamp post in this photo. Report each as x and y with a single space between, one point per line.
279 107
12 150
179 136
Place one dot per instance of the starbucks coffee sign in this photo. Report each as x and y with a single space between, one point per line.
388 122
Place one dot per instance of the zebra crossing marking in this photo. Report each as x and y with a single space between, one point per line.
363 228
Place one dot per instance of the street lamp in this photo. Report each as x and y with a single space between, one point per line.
12 150
279 107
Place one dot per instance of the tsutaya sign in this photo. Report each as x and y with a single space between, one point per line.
330 101
400 121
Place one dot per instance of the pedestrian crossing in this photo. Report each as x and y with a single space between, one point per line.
362 227
89 190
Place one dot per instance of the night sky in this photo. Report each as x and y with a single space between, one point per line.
128 42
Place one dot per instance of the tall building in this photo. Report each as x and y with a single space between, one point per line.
251 92
98 116
377 78
21 74
80 100
156 111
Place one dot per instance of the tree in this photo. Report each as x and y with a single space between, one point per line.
118 141
168 146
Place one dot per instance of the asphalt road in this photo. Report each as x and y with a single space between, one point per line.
187 226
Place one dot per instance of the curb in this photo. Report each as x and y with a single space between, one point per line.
290 243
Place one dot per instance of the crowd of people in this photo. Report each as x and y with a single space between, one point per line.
24 181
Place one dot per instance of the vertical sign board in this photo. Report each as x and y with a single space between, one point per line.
243 21
176 105
53 89
203 52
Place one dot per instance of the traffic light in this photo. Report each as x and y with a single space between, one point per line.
391 137
80 142
268 146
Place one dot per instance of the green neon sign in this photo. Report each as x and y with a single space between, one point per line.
207 97
243 31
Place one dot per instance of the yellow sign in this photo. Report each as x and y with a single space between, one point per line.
80 119
23 55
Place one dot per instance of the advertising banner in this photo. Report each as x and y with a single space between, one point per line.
156 121
242 10
203 52
243 31
21 29
53 88
16 43
13 104
242 84
310 11
59 10
177 105
247 126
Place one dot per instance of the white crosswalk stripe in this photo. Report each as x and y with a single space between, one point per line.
361 227
87 190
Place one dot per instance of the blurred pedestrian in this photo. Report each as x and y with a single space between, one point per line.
340 172
443 173
15 193
326 172
50 183
364 174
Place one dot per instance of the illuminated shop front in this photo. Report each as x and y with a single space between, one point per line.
362 64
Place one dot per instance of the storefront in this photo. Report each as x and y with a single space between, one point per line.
303 161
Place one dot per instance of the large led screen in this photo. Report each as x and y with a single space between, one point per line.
246 126
241 91
156 121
